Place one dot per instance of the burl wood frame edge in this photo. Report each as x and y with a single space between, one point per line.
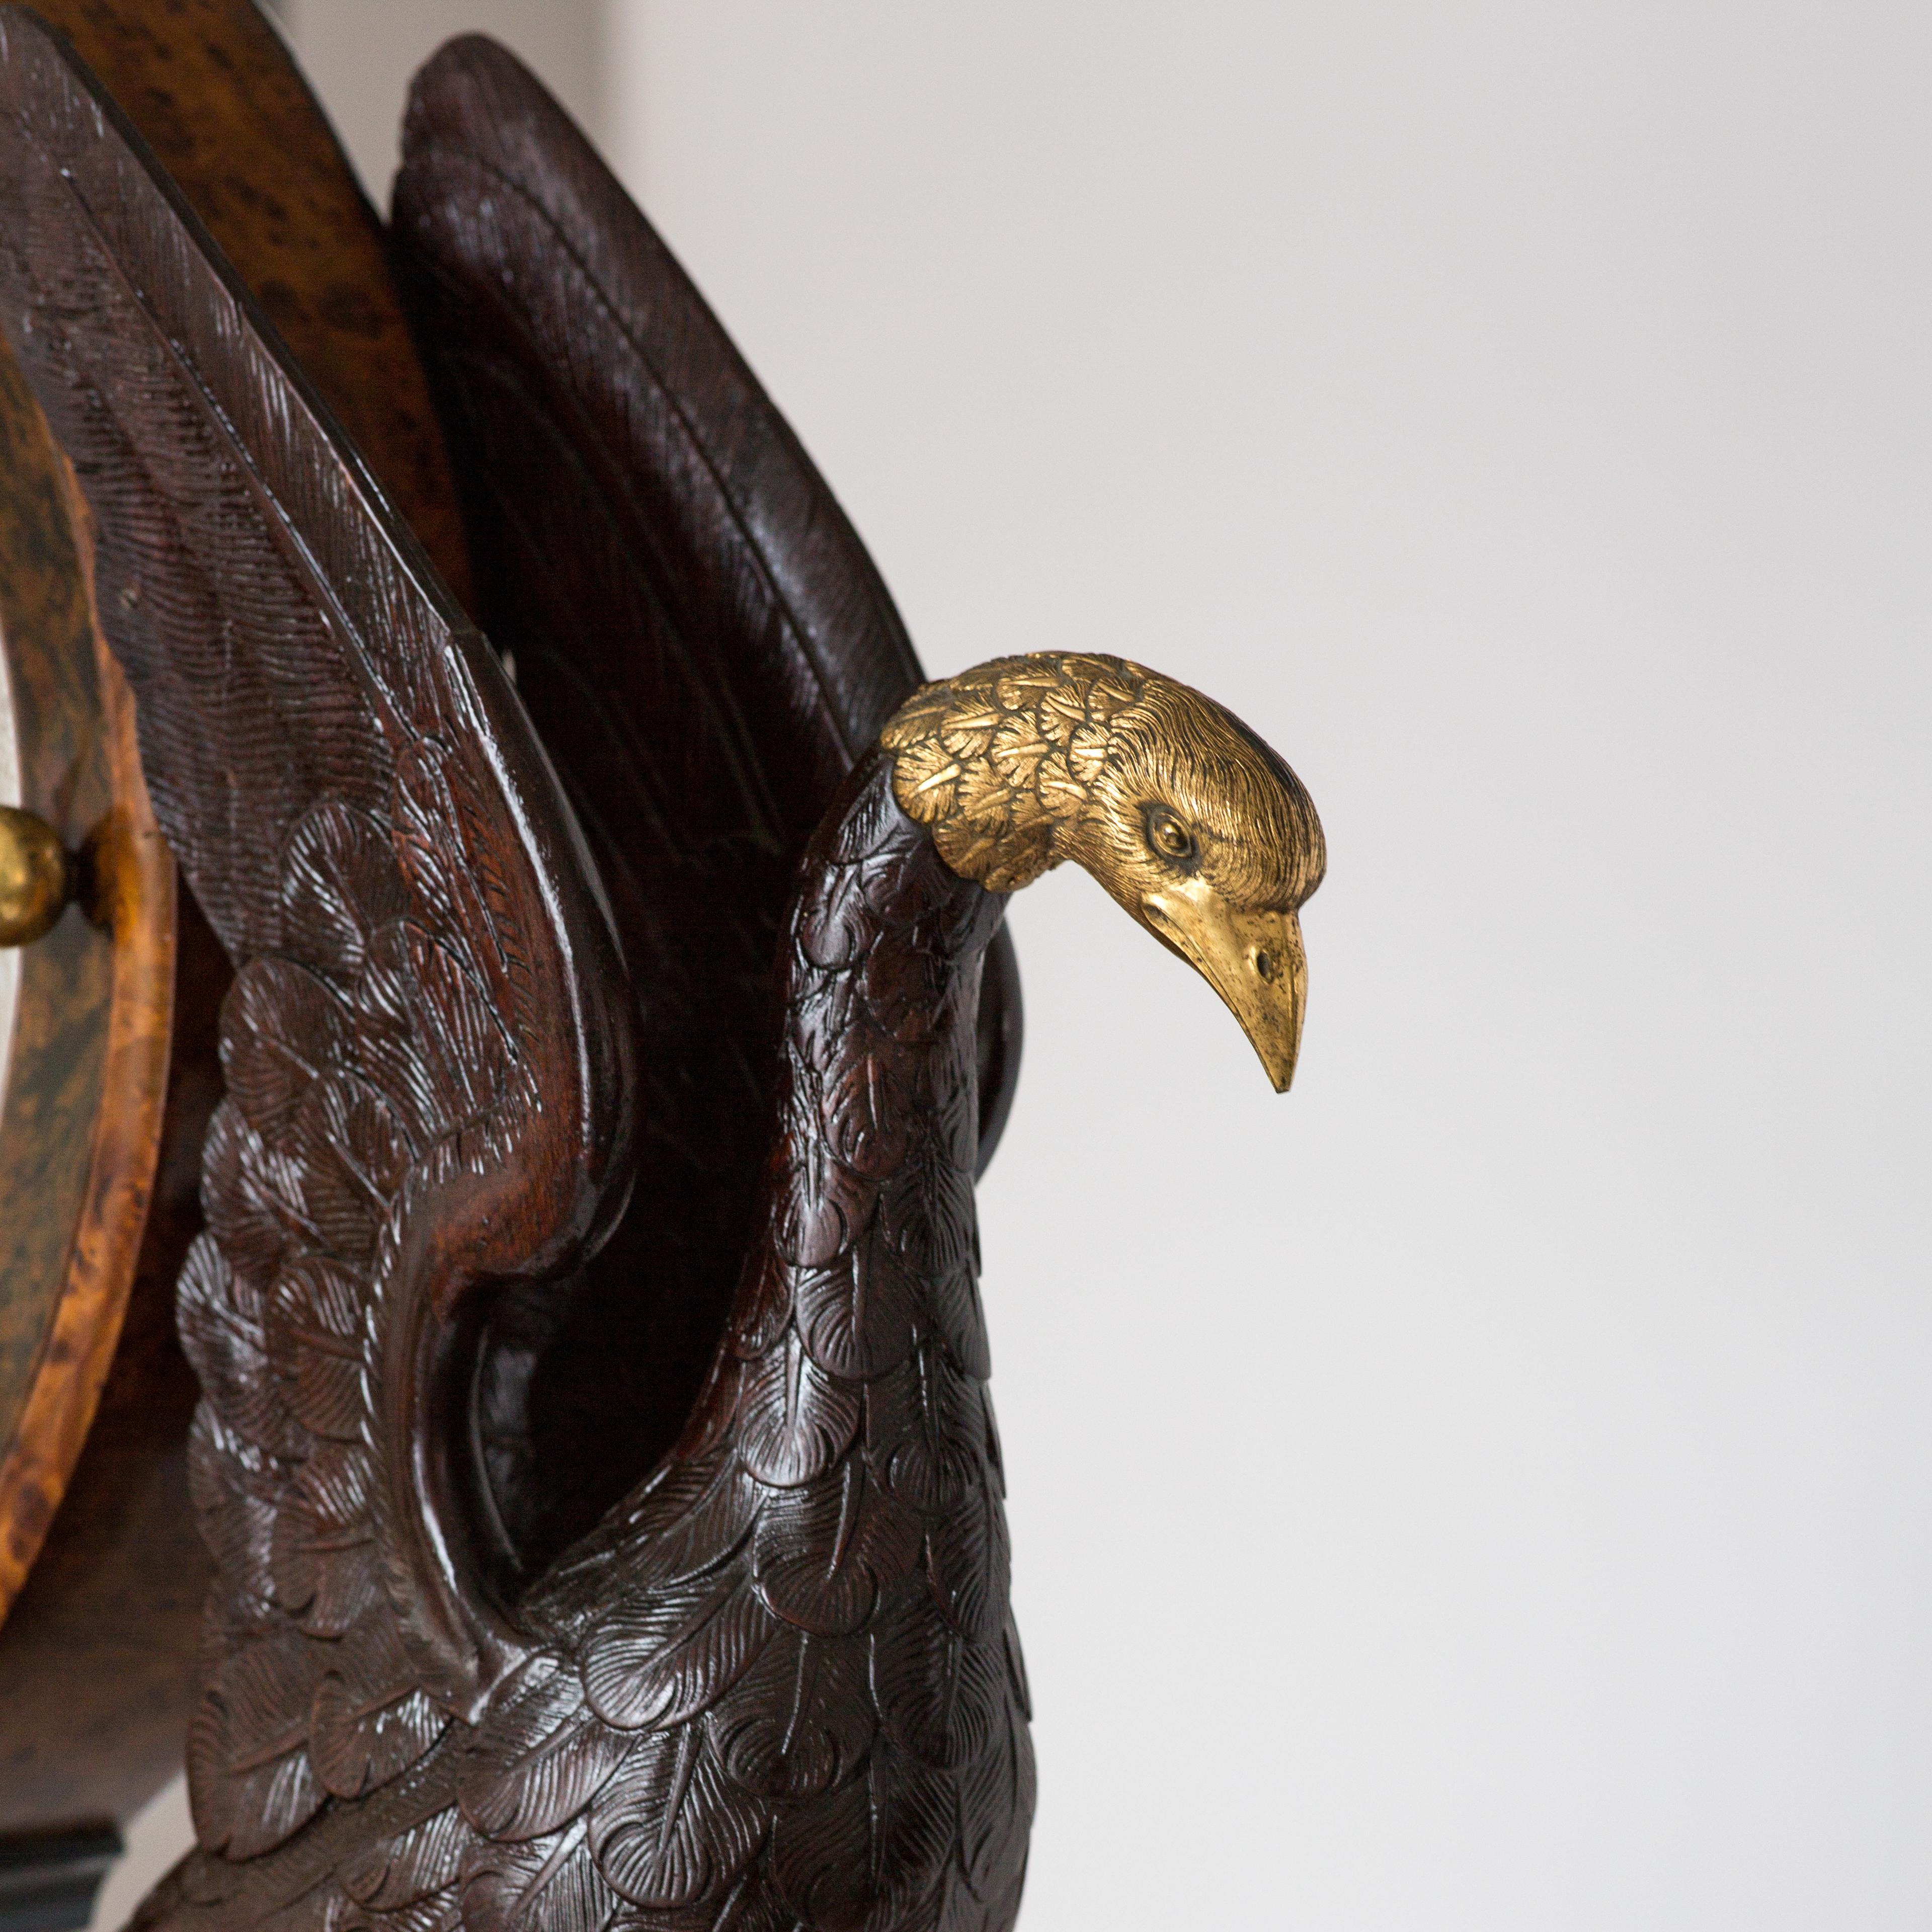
87 1077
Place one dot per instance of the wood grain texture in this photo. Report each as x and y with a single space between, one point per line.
102 1647
428 1090
131 896
213 91
778 1686
82 1107
97 1667
367 821
57 1064
703 641
775 1686
777 1683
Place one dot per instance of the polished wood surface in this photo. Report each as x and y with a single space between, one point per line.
96 1660
81 1122
97 1666
484 1074
361 807
779 1679
436 1096
703 643
213 91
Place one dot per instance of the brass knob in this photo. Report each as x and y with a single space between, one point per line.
36 877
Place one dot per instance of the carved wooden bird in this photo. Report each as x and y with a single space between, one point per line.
595 1443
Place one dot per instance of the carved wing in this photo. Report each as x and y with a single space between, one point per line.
428 1049
690 612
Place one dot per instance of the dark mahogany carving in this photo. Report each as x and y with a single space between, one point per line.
703 642
594 1444
364 816
98 1653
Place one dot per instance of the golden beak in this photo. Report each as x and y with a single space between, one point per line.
1254 960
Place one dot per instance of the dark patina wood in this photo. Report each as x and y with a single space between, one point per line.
689 1076
432 1042
360 809
703 641
96 1661
211 88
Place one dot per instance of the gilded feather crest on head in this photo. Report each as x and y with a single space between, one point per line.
1023 762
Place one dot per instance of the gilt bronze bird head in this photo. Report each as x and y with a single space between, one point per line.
1188 820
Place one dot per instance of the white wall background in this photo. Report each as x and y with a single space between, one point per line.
1490 1488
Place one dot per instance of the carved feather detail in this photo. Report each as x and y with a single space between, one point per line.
774 1685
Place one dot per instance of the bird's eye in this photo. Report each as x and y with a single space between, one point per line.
1168 836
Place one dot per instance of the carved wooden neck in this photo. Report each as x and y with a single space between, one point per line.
870 1233
828 1546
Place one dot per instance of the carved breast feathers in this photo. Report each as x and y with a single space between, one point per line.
775 1686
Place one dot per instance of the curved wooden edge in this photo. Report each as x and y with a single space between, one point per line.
132 894
97 1659
217 95
214 91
